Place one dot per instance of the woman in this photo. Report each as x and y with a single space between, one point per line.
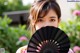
43 13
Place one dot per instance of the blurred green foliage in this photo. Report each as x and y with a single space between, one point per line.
12 5
9 36
72 28
77 7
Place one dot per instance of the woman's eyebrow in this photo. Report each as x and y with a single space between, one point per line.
52 17
40 17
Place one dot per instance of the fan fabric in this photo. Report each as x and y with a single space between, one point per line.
49 39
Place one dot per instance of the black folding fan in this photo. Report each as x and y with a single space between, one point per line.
49 40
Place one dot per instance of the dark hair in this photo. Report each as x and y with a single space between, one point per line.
43 6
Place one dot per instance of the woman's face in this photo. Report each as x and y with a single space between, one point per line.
51 19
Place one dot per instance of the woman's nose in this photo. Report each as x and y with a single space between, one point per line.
47 24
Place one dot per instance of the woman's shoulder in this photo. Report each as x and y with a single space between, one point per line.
22 49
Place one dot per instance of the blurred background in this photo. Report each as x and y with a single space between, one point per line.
14 24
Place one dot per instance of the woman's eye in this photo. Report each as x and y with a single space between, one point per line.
52 20
40 20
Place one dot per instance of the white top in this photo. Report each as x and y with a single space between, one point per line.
23 50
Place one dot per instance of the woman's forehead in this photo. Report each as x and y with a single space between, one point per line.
50 13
